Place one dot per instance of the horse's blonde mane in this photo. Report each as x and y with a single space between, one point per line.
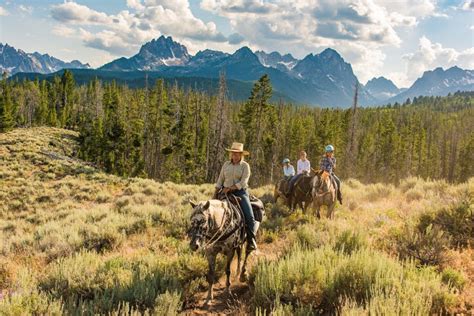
325 175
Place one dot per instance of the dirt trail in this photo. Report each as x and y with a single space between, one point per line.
237 303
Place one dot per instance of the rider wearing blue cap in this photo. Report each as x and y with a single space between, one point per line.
328 163
288 169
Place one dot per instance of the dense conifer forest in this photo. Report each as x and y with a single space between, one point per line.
170 134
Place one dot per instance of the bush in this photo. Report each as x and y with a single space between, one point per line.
453 278
100 240
167 304
425 246
86 282
457 222
349 241
323 280
414 194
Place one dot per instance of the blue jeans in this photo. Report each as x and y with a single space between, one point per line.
247 209
293 181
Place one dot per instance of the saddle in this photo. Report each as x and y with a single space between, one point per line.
257 205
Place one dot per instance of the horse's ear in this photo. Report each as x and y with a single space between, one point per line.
193 204
206 206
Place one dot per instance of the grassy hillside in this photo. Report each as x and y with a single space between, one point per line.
75 239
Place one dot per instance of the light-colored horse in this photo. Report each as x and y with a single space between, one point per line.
324 193
218 228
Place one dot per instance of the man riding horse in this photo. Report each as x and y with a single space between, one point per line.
328 163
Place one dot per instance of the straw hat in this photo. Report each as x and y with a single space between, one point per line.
238 148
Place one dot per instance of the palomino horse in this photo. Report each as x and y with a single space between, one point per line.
218 227
324 193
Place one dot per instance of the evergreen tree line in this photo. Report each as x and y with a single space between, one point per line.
169 134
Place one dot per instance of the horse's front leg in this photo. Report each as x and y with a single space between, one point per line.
331 210
230 257
239 259
318 211
211 259
243 275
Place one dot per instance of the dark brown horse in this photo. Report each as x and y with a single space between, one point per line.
301 195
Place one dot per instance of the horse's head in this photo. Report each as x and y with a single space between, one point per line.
321 182
199 224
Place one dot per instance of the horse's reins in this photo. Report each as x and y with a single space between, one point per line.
299 188
323 193
224 234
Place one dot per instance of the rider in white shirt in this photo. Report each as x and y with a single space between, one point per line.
303 166
288 169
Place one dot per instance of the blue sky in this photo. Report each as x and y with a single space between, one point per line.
398 39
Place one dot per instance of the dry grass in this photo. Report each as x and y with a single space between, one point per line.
60 216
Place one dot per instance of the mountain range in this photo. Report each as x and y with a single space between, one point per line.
14 60
323 79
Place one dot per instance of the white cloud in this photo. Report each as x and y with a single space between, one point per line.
431 55
126 31
468 5
357 29
25 9
71 12
63 31
3 11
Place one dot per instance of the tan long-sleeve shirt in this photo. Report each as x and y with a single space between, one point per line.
234 174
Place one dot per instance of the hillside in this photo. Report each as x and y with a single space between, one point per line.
75 239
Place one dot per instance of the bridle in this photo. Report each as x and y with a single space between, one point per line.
200 230
319 187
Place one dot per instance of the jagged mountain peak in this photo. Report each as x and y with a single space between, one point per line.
276 60
330 53
382 88
14 60
439 82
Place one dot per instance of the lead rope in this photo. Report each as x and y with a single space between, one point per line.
214 241
206 245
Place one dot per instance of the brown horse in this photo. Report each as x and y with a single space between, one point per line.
301 193
323 193
279 191
218 227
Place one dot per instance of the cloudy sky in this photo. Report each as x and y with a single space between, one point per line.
398 39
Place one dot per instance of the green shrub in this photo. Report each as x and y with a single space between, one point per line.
167 304
100 239
453 278
86 278
323 279
349 241
426 246
457 221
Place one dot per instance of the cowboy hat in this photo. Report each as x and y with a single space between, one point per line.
238 148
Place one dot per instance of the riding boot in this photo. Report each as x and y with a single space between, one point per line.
339 195
251 237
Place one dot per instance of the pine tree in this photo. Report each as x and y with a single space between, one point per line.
6 106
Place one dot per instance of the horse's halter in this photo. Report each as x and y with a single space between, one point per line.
199 223
322 186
